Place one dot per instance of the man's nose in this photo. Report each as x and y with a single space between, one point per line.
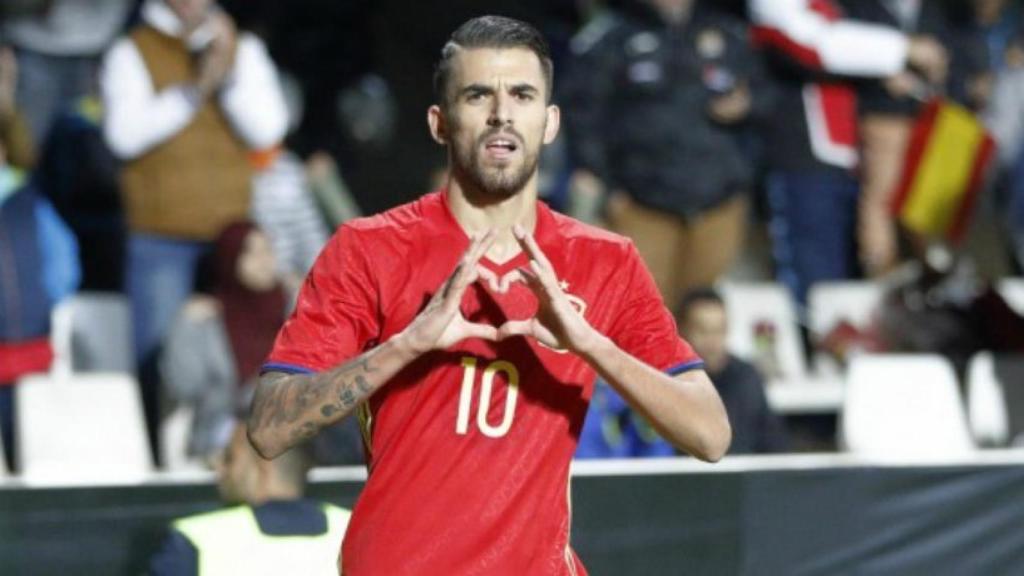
499 110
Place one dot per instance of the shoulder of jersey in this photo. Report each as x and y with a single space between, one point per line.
400 218
571 229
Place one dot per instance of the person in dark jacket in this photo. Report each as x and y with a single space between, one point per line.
755 427
655 98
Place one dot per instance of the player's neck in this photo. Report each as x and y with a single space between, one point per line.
478 212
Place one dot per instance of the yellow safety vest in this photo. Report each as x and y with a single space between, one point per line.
229 542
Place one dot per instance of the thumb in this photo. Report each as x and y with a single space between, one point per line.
515 328
482 331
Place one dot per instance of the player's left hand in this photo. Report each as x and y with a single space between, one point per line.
557 323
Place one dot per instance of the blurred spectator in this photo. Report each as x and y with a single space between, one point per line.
284 207
655 99
613 430
59 44
1005 118
38 268
217 343
270 529
814 51
888 109
755 428
999 22
213 351
335 200
79 174
15 136
942 306
186 97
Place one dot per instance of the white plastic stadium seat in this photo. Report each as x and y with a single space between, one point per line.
904 406
1012 290
174 433
92 332
830 303
4 473
751 304
82 428
986 405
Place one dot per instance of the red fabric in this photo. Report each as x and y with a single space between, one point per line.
839 108
915 149
978 171
440 500
830 10
20 358
802 53
805 55
252 318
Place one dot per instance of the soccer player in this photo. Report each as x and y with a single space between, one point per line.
467 328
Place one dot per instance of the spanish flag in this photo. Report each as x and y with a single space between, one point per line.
943 171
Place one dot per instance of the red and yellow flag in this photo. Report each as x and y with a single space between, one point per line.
943 171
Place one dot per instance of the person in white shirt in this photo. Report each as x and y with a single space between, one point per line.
186 99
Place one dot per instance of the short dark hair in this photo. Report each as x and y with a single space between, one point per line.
700 295
492 32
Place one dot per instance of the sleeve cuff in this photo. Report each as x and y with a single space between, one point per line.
286 368
684 367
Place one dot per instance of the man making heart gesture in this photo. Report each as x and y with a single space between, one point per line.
467 329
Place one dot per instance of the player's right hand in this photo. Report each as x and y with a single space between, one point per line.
441 324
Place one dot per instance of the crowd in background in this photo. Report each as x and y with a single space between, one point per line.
191 156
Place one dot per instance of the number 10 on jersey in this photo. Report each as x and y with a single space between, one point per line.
486 389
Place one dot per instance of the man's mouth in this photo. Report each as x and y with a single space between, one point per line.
501 145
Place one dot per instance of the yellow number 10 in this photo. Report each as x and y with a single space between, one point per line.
487 387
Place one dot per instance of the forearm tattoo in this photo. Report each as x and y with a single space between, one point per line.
298 405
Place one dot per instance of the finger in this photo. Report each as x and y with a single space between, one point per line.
529 276
456 287
480 247
546 280
475 330
515 328
466 272
529 243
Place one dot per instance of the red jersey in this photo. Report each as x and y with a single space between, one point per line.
469 448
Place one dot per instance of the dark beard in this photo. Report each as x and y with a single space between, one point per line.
497 184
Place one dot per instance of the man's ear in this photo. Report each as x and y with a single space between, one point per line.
438 124
554 120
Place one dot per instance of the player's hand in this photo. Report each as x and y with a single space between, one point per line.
557 324
441 324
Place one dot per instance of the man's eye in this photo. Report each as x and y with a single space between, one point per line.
475 96
524 96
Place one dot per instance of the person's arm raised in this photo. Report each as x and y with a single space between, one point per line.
685 409
290 408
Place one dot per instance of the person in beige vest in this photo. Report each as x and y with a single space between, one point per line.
186 97
270 529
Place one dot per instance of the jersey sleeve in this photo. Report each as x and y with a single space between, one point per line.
335 316
644 327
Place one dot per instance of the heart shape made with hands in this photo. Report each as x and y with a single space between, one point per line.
502 285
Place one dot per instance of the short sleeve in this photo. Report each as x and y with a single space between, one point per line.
336 313
644 327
